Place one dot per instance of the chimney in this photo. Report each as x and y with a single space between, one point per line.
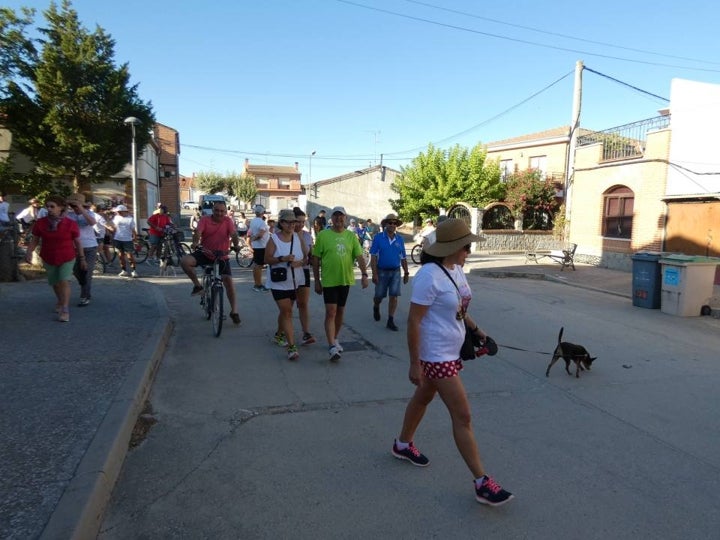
247 162
296 166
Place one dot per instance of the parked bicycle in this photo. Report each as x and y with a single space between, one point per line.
171 249
213 295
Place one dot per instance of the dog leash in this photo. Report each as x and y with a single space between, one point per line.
523 350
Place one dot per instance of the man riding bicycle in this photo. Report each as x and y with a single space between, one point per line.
213 234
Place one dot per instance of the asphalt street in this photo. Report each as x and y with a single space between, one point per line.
248 445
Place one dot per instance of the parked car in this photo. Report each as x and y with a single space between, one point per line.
190 205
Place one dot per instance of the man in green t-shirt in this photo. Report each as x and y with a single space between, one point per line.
334 251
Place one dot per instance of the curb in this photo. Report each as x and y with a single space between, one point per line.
79 513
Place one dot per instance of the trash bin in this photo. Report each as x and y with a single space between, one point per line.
687 284
646 272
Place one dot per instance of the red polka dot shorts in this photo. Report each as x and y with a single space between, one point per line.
441 370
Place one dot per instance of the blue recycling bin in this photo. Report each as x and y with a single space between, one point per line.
646 279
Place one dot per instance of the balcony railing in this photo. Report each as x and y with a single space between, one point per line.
624 142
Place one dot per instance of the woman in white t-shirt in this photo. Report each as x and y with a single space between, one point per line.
303 292
436 331
285 250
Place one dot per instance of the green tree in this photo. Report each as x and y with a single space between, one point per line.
211 182
532 199
17 51
438 179
233 184
243 187
68 116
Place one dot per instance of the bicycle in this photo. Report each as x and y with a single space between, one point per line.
171 249
212 298
244 255
415 253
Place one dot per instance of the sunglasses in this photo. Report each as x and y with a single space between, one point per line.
391 222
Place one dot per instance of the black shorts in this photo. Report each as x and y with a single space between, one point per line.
336 295
307 277
203 260
280 294
259 256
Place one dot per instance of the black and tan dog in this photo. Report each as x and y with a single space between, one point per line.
570 352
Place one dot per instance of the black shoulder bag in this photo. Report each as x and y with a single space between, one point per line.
280 273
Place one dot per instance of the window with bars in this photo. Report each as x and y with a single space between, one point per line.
618 212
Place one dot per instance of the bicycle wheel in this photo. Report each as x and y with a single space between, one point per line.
140 250
206 298
217 309
185 249
100 266
415 253
244 257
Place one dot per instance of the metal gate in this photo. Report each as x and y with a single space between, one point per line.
461 211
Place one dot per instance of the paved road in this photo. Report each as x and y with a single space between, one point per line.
248 445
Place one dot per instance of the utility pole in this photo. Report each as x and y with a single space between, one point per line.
574 128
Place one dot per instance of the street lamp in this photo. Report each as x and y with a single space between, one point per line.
132 122
310 168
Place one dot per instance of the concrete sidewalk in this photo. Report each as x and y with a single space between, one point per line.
585 276
70 393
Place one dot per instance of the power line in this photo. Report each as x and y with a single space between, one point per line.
626 84
526 42
558 34
491 119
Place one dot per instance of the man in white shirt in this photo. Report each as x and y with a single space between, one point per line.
79 211
259 236
125 234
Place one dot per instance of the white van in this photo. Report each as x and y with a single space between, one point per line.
207 201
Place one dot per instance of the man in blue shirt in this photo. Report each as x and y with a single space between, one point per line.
387 255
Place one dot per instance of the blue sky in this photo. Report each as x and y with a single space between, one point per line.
274 80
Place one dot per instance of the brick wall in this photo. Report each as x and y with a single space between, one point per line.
645 177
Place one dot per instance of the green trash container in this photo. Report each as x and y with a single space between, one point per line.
646 279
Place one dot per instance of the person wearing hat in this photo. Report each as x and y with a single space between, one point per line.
303 292
436 331
430 238
387 256
258 235
286 250
28 215
335 250
125 234
86 219
59 248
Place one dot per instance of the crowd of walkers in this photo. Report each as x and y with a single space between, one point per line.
286 256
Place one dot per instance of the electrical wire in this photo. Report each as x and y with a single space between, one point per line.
524 41
487 121
626 84
558 34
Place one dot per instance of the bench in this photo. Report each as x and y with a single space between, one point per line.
564 256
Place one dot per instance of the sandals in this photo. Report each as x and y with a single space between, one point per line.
235 318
